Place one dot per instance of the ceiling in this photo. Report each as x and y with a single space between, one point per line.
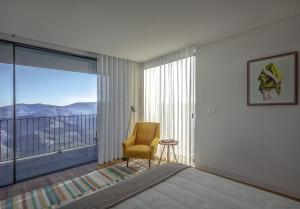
138 30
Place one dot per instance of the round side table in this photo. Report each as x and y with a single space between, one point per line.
169 144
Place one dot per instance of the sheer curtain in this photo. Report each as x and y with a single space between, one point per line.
169 98
119 84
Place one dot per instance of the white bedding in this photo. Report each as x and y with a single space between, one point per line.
193 189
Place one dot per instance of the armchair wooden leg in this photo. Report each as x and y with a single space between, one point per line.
149 164
127 162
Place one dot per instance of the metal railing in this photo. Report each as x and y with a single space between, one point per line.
42 135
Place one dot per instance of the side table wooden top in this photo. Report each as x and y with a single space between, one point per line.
172 142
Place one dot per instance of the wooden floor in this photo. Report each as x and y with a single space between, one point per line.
50 179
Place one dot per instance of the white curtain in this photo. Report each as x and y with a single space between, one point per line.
119 84
169 98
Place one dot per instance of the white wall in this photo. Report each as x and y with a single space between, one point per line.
261 144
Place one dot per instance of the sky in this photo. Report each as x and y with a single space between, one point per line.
46 86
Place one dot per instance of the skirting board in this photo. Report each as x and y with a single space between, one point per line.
250 182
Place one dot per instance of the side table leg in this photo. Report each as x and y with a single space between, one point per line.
162 152
174 153
168 153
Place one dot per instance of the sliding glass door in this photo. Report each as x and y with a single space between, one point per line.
48 111
55 111
6 114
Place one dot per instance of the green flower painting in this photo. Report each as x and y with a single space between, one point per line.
270 79
273 80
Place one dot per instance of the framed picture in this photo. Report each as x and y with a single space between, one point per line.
273 80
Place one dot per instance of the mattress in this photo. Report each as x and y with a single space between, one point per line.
192 188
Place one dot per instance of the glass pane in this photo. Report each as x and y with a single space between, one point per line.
55 117
6 114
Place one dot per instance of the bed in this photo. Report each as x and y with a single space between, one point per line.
173 186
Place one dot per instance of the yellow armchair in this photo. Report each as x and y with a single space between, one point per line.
143 141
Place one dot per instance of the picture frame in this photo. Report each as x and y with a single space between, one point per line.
273 80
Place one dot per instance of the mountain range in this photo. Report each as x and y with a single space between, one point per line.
41 110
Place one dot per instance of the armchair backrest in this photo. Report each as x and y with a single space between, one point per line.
145 132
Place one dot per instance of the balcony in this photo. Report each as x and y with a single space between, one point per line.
46 144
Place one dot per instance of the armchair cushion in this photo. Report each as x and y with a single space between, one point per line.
138 151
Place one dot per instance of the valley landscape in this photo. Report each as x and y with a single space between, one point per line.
42 128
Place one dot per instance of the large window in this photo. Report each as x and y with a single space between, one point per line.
54 105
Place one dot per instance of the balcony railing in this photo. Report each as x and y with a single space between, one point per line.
42 135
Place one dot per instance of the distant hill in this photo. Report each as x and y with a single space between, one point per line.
40 110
